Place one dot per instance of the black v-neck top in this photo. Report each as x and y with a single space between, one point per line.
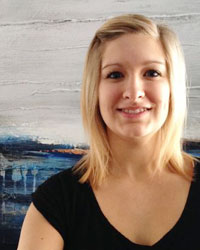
72 209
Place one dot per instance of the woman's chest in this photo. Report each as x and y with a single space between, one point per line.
143 214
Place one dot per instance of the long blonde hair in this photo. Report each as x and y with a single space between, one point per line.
93 167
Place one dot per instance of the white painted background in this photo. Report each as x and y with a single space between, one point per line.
43 45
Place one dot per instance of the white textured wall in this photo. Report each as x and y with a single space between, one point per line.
42 49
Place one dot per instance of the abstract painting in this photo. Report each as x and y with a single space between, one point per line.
25 164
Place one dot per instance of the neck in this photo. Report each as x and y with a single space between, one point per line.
132 158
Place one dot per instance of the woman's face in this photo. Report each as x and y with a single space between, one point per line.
134 88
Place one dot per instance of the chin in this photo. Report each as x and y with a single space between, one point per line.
139 134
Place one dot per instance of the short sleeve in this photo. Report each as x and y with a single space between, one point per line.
51 200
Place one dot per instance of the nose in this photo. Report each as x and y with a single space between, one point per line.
133 89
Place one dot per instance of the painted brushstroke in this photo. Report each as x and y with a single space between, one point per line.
25 164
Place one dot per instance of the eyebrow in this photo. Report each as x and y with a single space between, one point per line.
111 64
144 63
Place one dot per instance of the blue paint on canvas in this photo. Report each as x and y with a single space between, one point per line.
24 165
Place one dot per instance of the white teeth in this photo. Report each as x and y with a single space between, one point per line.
136 111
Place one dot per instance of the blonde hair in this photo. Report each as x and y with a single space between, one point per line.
94 165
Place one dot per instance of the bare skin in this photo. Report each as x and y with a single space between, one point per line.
38 234
143 209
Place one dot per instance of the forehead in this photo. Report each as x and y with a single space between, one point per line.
133 48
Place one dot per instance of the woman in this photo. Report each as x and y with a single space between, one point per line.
135 188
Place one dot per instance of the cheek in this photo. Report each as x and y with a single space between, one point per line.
108 95
161 95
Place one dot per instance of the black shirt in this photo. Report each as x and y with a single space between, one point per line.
72 209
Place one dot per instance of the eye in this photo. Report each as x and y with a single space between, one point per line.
152 73
115 75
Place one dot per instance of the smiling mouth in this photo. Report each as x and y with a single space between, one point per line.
134 111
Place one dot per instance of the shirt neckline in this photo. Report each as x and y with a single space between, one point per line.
168 237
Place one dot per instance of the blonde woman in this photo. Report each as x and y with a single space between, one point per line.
136 188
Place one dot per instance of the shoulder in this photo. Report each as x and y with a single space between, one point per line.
61 182
63 179
61 189
60 198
